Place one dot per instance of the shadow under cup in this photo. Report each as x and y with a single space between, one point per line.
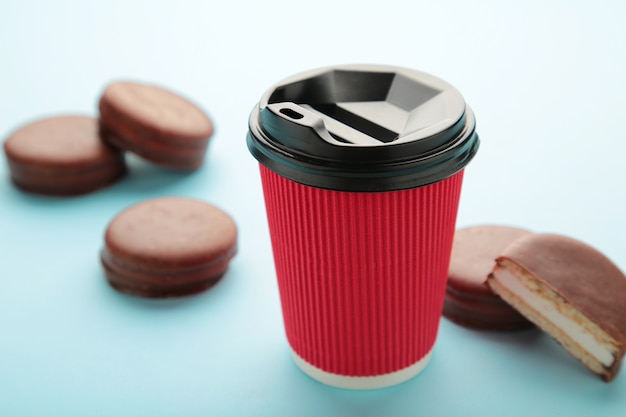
362 169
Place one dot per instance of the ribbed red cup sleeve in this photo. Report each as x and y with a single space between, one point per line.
361 276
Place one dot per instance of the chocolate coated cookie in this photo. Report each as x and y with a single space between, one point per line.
155 123
62 155
572 292
469 301
168 247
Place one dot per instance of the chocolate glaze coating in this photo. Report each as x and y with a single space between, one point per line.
577 272
155 123
581 283
62 155
469 301
168 247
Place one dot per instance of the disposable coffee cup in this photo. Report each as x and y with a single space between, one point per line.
362 169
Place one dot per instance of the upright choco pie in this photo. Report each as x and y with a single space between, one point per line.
572 292
62 155
468 300
155 123
168 247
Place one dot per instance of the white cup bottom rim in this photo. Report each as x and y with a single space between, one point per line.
362 382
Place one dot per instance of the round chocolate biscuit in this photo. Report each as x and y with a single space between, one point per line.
62 155
168 247
155 123
468 300
571 291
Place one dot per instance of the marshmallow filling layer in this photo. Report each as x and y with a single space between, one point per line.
548 308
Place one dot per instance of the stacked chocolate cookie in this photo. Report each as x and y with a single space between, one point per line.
156 124
469 301
508 279
168 247
62 156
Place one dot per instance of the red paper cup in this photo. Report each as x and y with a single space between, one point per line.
361 200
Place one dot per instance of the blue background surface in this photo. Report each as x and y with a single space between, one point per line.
545 80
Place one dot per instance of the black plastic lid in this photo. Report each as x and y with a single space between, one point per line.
363 128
